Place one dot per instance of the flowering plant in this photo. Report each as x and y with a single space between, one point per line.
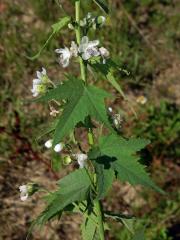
80 104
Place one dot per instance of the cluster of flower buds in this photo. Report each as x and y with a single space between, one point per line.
28 190
58 148
94 22
40 83
81 158
89 21
86 50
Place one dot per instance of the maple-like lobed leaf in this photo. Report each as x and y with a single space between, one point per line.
82 101
124 160
73 187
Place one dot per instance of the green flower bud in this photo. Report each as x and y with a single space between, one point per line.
100 20
67 160
32 188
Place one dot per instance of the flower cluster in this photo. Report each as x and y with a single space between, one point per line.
86 50
39 83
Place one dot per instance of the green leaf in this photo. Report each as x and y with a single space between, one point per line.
126 220
139 235
108 71
56 162
73 187
46 130
89 227
137 144
103 5
105 177
60 24
82 101
63 91
125 162
56 28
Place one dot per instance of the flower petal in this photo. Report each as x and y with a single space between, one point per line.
43 71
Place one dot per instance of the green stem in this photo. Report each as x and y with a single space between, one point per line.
78 38
99 218
83 68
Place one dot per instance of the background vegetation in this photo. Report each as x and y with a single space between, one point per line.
144 37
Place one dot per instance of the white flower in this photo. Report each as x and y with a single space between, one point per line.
58 147
48 144
81 158
142 100
38 83
88 48
23 192
65 56
74 49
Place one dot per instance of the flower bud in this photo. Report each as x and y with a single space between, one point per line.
110 109
67 160
48 144
59 147
70 26
101 20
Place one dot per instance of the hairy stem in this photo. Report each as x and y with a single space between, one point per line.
78 38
